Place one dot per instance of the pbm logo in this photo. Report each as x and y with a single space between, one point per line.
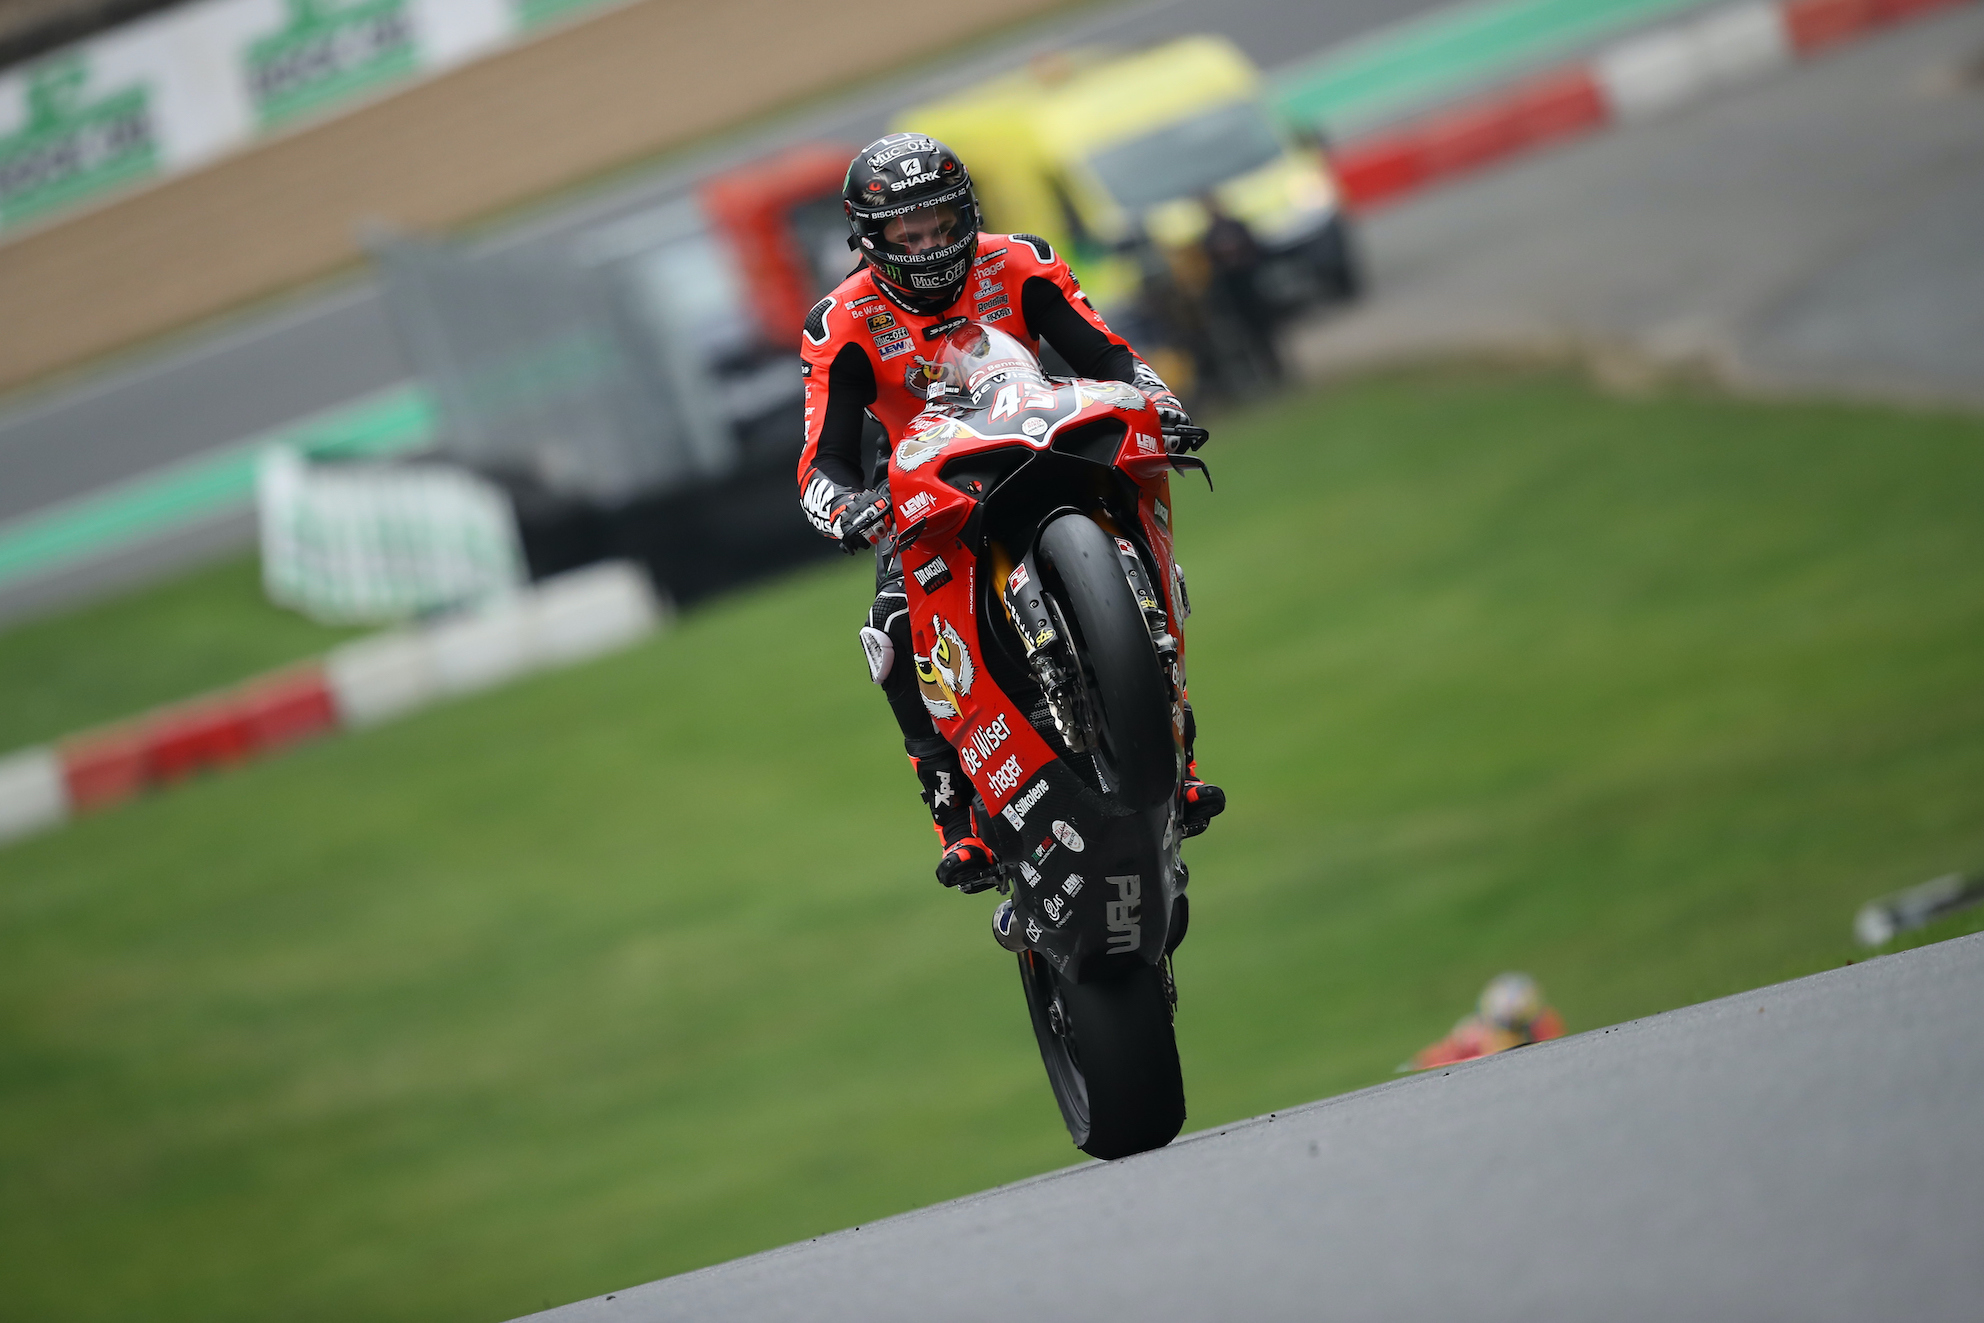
1125 932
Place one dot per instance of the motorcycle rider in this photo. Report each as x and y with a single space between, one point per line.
926 267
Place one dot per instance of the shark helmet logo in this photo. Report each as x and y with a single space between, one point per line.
946 673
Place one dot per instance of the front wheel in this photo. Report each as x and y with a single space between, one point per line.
1111 1056
1117 659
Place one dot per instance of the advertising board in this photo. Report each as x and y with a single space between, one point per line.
165 94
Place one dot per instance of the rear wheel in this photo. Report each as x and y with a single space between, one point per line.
1119 663
1110 1054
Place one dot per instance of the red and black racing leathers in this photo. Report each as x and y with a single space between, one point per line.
858 346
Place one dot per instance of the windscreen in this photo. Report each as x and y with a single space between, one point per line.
969 361
1185 159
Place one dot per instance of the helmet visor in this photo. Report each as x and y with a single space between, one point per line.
925 230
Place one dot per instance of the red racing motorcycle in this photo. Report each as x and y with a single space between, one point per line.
1033 518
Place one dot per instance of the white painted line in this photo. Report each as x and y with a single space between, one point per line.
33 794
1654 73
1743 43
379 678
1650 75
481 649
592 611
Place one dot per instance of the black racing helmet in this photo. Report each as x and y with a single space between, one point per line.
913 217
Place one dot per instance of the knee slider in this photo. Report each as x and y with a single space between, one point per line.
888 617
881 653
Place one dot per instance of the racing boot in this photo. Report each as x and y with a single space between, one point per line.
1199 802
968 863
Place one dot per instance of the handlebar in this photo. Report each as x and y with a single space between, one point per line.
1184 440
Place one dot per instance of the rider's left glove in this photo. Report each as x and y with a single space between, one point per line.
1180 437
861 519
1171 414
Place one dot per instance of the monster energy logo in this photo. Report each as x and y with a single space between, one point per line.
70 148
327 52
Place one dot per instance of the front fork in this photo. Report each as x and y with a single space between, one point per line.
1155 619
1039 624
1040 628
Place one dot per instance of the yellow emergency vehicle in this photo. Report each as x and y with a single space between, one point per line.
1099 152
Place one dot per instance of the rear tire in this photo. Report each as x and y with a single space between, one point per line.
1118 659
1112 1059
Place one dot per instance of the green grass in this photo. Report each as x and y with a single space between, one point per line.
640 966
133 652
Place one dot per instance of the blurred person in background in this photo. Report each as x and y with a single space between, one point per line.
926 266
1235 260
1168 320
1510 1013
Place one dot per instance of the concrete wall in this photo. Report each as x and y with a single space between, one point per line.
607 90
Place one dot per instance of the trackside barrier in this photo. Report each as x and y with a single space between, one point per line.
1635 79
563 620
31 792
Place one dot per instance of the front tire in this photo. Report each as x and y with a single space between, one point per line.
1111 1056
1118 660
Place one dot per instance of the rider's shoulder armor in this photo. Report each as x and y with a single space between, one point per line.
1018 258
1041 248
816 320
837 319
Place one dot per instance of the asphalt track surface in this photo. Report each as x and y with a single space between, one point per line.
1822 229
1807 1151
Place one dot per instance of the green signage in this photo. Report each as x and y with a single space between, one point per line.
71 147
536 13
328 52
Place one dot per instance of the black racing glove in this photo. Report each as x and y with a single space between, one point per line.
1180 437
861 519
1171 414
1179 434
